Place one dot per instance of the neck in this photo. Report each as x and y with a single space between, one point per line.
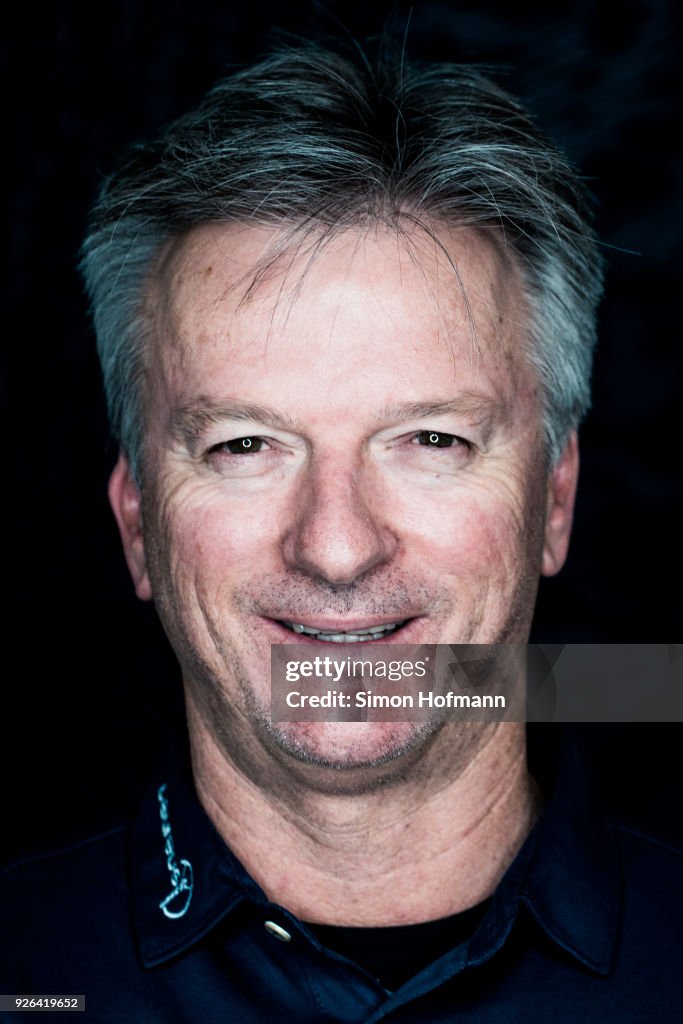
400 854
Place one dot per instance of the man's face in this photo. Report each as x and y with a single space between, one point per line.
355 445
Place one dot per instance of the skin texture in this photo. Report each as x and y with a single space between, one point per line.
339 516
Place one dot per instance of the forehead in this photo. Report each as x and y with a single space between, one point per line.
246 293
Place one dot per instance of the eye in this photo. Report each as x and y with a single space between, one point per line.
438 439
240 446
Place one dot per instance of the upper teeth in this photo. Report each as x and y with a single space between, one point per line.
335 636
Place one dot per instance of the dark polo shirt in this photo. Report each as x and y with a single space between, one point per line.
158 921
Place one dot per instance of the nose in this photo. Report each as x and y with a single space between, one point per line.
338 533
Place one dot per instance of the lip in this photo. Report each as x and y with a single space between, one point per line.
347 626
285 635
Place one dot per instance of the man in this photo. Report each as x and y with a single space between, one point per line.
345 314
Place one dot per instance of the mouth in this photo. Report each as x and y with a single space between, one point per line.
357 635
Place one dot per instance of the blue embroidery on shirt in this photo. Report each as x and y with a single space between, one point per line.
182 879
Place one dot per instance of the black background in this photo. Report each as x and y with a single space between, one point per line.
89 687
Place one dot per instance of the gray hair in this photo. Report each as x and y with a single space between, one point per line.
318 141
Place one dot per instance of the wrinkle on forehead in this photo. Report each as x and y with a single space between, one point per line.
466 275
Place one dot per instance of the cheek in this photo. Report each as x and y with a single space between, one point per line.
483 531
209 540
200 550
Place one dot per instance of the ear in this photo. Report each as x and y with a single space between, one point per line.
560 507
125 500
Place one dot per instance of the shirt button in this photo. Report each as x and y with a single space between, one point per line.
277 931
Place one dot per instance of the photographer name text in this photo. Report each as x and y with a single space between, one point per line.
368 699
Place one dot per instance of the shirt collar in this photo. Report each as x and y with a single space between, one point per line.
567 875
185 880
573 887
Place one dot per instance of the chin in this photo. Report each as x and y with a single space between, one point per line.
347 748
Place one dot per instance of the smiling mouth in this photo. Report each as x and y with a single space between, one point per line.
335 636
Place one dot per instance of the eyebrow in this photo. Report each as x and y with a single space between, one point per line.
470 404
485 411
189 422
